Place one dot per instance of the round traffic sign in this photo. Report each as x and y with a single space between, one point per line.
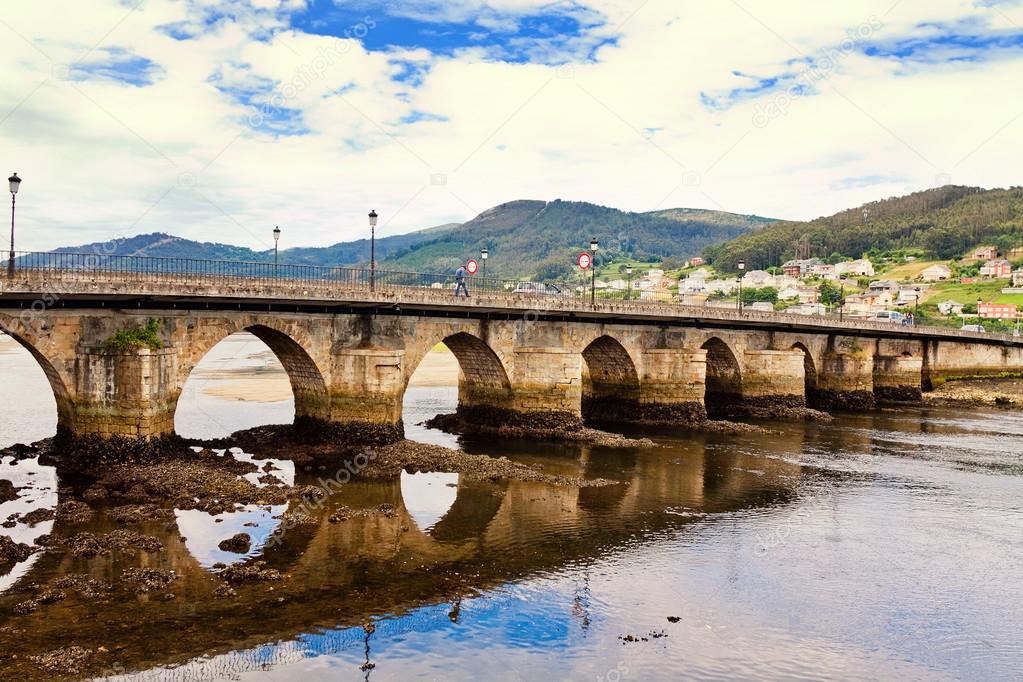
472 266
584 260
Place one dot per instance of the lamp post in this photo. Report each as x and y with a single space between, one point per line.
277 238
14 181
742 268
593 273
372 249
484 255
841 302
628 292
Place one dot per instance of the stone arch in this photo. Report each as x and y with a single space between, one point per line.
610 386
482 378
809 371
724 377
61 394
308 385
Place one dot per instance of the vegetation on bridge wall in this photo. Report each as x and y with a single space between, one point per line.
136 338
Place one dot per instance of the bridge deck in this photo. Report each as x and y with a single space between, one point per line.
41 289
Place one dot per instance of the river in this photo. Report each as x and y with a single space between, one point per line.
878 546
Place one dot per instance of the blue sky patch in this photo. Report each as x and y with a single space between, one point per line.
555 34
266 110
117 64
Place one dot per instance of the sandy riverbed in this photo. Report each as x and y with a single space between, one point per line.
438 368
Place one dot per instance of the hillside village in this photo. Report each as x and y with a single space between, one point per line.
983 287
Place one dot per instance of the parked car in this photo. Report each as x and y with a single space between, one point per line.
539 289
888 316
972 328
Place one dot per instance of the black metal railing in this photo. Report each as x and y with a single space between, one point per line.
327 282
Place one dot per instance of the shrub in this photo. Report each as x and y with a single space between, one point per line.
136 338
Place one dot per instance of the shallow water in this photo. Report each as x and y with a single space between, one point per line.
878 546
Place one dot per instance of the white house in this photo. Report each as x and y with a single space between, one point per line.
855 268
936 273
724 286
950 307
758 279
788 293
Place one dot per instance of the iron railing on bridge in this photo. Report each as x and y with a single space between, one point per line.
335 282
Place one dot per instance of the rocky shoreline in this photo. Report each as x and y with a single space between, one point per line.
1000 393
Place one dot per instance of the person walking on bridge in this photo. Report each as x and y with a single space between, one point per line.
460 284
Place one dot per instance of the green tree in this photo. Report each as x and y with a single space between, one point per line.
830 293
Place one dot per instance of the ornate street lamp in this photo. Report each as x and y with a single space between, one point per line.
372 249
484 255
593 275
15 182
742 267
628 291
277 238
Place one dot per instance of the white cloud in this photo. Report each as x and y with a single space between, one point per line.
102 157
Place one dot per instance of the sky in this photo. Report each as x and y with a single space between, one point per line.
217 120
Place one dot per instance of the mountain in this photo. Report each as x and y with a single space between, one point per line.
163 245
944 222
525 239
539 238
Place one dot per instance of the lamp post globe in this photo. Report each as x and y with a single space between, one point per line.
14 182
277 238
372 249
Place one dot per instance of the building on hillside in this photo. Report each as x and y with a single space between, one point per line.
936 273
909 295
655 275
695 282
808 309
997 311
996 268
984 253
807 294
950 307
788 293
696 261
760 307
722 286
967 280
824 270
618 285
758 279
801 268
1017 278
884 285
855 268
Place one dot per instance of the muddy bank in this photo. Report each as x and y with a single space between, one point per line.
549 427
1002 393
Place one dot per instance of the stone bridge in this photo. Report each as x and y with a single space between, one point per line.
350 352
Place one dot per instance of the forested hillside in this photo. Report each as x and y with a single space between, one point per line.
944 222
537 238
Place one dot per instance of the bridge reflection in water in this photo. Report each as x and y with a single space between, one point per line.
401 573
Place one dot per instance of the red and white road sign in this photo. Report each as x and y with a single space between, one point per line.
585 260
472 266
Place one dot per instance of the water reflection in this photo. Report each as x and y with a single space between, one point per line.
878 546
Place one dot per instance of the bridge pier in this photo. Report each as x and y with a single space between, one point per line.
364 395
897 378
773 380
132 394
845 380
672 386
